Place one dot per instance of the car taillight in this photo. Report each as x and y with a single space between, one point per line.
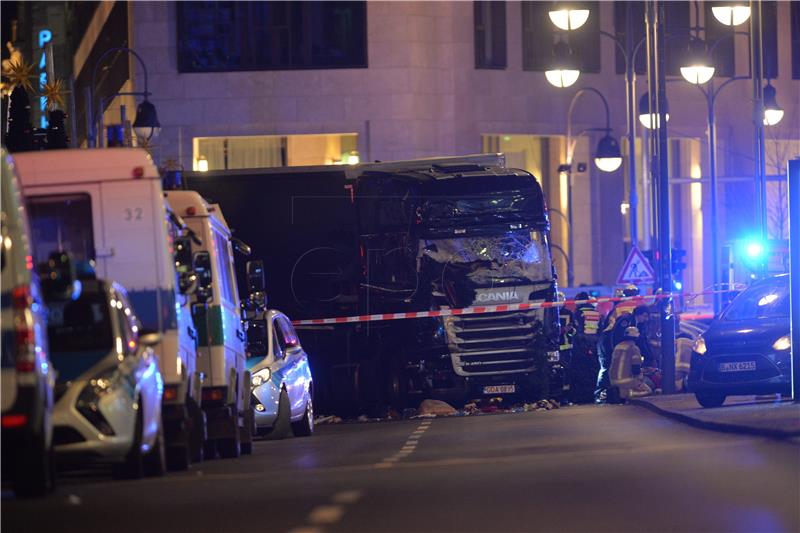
23 328
14 421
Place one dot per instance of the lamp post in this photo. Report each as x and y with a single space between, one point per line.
607 157
145 125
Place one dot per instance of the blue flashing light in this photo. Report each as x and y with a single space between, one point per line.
678 286
754 249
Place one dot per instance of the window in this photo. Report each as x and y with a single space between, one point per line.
637 14
539 35
676 24
721 37
224 265
490 35
82 325
267 151
278 339
795 24
769 14
287 333
229 36
61 223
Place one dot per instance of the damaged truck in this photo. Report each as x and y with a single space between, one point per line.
400 237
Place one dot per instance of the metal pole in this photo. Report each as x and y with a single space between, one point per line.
570 240
712 170
757 68
794 271
90 125
667 319
630 87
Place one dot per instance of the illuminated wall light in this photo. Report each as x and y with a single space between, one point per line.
202 164
563 189
569 19
731 15
562 78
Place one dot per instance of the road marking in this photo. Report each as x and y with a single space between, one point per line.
347 496
326 514
306 529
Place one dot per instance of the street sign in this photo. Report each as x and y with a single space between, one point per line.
636 270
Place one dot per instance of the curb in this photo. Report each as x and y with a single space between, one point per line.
716 426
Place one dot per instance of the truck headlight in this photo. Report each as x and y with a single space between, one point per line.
260 377
784 343
700 346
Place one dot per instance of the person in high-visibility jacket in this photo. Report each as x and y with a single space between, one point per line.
626 367
683 360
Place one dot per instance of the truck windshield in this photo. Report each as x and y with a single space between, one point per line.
521 255
61 223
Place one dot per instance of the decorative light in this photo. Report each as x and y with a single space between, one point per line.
731 13
202 164
650 120
568 16
772 111
146 124
353 158
563 70
697 68
608 157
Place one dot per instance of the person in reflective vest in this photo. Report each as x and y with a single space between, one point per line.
584 366
606 343
626 367
683 360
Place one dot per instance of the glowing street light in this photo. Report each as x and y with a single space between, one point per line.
650 120
731 13
698 68
608 157
568 16
563 70
772 111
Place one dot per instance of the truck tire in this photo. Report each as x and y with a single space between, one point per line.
155 462
305 426
133 465
282 426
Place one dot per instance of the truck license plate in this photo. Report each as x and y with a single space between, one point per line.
500 389
738 366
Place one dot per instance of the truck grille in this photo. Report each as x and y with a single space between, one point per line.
495 343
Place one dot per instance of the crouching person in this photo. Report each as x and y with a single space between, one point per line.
626 368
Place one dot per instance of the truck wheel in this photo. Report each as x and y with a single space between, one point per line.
34 476
155 462
282 426
132 466
305 426
710 399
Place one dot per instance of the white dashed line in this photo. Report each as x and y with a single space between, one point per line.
347 496
326 514
408 448
306 529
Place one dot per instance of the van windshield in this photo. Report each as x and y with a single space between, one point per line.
61 223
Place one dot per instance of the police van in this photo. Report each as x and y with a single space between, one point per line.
27 376
221 336
107 206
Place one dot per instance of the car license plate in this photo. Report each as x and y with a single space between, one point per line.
738 366
500 389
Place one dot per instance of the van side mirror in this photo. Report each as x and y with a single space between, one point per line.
240 247
255 276
257 344
202 269
58 277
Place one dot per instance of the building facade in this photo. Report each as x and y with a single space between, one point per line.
240 85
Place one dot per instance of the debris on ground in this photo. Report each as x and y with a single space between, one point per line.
326 420
435 408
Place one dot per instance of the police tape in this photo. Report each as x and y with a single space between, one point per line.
485 309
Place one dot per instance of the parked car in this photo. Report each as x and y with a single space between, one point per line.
747 349
27 378
281 378
109 388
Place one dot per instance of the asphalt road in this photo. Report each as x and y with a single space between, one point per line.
587 469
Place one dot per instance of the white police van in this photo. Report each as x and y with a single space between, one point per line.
27 376
221 336
107 206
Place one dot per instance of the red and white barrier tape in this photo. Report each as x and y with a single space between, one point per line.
483 309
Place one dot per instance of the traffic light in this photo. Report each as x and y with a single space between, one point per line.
678 266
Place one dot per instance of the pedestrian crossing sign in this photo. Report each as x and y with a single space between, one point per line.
636 270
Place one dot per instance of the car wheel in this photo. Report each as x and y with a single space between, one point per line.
132 467
155 462
305 426
34 476
282 426
710 399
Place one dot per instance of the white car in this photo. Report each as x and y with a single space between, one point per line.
109 388
280 378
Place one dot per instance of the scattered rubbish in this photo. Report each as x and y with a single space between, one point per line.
436 408
332 419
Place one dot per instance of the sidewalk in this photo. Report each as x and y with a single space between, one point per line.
740 414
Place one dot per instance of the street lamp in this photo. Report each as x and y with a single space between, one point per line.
698 68
773 113
563 70
607 157
145 125
568 15
650 120
731 13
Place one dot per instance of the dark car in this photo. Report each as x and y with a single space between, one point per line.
747 349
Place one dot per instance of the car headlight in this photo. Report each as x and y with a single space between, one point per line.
260 377
784 343
700 346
